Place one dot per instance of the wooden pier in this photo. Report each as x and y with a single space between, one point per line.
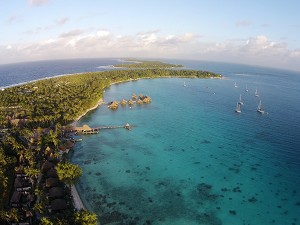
85 129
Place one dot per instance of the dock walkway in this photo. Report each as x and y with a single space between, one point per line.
85 129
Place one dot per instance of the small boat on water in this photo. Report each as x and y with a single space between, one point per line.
235 85
184 84
240 100
238 108
246 89
256 93
260 109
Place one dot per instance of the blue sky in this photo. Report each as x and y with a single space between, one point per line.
265 32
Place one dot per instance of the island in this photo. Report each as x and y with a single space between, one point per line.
65 99
143 64
36 178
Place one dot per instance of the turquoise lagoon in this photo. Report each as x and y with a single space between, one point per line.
191 159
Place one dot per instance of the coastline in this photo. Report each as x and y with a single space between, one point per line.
100 102
78 204
39 79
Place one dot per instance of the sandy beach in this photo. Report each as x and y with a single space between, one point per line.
76 198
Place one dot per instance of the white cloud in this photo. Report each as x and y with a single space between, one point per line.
261 45
103 43
103 33
295 53
38 2
71 33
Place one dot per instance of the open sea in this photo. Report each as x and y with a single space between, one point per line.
190 159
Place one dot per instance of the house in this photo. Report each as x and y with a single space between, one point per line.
52 173
15 200
56 192
85 129
58 204
22 184
52 182
47 166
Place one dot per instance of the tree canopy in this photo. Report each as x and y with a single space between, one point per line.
62 99
84 217
68 172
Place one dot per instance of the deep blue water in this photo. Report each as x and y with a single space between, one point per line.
192 159
11 74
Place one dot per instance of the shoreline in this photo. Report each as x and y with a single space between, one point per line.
99 103
39 79
78 204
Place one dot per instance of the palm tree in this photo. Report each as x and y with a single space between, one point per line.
3 179
45 221
68 172
32 172
39 207
84 217
10 216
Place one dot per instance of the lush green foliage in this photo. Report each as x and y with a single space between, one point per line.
63 99
139 64
84 217
53 102
68 172
46 221
9 216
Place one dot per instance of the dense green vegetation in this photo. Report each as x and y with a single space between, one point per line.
140 64
68 172
63 99
50 103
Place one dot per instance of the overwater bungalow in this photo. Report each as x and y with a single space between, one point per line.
127 126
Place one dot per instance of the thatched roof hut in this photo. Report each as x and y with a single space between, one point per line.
52 182
52 173
47 166
56 192
18 182
83 128
69 144
58 204
16 197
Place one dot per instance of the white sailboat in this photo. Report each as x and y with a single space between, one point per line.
240 100
246 89
235 85
184 84
256 93
260 109
238 108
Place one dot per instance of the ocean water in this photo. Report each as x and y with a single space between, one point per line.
190 159
16 73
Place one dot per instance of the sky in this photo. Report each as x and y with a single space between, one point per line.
255 32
